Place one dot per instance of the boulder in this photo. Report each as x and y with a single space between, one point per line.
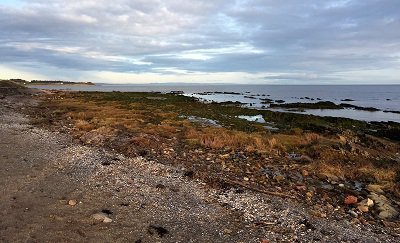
385 208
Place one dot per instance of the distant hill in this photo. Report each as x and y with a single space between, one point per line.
8 87
57 82
8 84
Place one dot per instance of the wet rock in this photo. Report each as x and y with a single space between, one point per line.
102 217
375 188
350 200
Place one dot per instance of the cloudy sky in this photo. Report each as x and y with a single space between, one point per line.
202 41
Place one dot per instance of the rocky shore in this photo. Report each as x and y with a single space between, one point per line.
67 181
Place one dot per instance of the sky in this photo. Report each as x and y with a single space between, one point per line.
202 41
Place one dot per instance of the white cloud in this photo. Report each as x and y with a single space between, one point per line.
189 39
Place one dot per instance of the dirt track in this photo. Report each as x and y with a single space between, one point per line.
147 202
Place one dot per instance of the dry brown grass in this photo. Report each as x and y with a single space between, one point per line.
84 125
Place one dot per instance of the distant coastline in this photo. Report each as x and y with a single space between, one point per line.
49 82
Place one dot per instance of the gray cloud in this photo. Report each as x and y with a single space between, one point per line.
321 38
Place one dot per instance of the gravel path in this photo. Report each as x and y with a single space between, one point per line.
53 189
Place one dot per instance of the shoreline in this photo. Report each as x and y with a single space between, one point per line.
244 179
367 110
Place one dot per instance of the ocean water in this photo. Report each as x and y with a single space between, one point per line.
383 97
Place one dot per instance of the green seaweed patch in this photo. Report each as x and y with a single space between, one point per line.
227 115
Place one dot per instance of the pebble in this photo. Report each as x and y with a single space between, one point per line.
279 178
363 208
246 178
102 217
352 213
349 200
341 185
72 202
227 231
304 173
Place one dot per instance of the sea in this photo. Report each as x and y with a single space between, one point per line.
386 98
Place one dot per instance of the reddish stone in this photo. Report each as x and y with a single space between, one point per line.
349 200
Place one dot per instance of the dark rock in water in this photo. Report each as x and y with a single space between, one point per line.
345 105
389 111
318 105
230 103
280 101
176 92
347 100
160 231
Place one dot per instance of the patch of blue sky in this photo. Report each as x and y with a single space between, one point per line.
11 3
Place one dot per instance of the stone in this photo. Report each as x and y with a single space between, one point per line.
375 188
102 217
366 202
363 208
327 176
349 200
279 178
352 213
72 202
107 220
341 185
304 173
245 178
384 207
301 188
